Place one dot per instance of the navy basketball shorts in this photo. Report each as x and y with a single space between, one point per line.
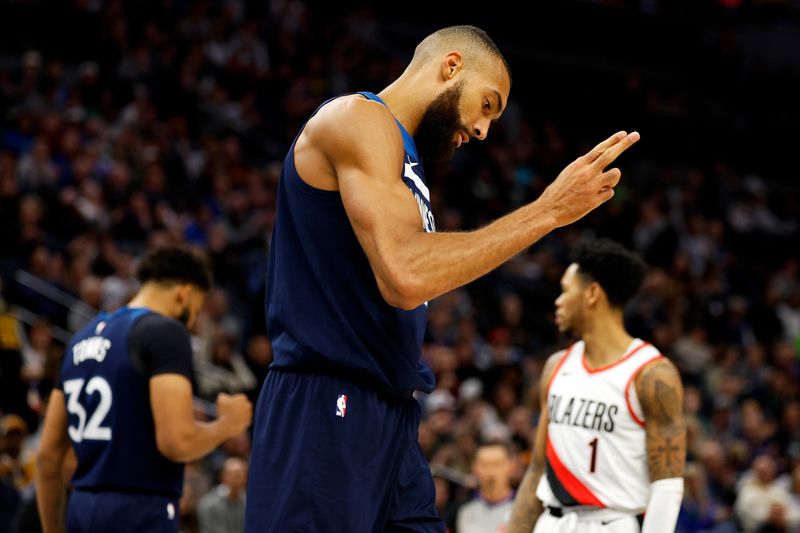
330 456
118 512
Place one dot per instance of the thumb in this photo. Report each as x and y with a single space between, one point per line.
221 397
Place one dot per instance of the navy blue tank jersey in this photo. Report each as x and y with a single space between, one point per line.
325 312
110 420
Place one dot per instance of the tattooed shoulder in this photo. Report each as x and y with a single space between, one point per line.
660 391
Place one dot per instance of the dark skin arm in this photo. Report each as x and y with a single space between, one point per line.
179 436
527 507
660 393
354 145
51 490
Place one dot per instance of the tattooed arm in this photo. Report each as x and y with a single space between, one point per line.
527 506
660 393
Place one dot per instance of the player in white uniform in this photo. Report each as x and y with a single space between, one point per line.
611 441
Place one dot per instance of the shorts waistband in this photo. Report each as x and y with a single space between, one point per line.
589 513
346 376
130 491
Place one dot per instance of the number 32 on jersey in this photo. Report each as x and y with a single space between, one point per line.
91 429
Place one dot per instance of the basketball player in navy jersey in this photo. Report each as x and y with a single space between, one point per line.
611 441
354 260
124 404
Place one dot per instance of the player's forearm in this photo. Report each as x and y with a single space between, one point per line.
434 263
195 442
50 499
527 507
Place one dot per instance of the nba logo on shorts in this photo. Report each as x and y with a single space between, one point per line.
341 405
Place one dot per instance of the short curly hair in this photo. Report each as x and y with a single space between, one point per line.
616 269
175 265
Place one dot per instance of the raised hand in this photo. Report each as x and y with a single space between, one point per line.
585 184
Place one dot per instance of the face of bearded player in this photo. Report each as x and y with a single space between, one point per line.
463 111
440 123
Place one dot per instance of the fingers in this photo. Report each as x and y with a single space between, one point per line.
603 146
606 195
613 151
610 178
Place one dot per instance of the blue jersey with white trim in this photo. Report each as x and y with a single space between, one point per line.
325 312
108 403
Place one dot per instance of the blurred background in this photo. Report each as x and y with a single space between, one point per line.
128 124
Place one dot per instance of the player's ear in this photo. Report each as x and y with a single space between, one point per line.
451 65
593 293
183 293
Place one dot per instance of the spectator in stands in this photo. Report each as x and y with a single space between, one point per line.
699 511
490 509
83 310
226 372
762 501
180 138
17 462
222 509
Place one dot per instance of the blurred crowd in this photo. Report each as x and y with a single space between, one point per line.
174 132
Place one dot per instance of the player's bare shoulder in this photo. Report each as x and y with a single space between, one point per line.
550 367
355 126
348 133
659 387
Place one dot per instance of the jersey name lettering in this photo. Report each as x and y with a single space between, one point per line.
580 412
421 194
94 348
425 212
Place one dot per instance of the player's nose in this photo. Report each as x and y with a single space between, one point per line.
481 129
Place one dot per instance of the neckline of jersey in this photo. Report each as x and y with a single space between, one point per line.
635 345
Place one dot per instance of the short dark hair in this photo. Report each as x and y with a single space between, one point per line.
175 265
619 271
481 38
465 33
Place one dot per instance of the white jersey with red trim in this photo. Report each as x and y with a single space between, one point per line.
595 435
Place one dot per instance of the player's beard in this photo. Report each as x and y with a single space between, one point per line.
184 316
440 122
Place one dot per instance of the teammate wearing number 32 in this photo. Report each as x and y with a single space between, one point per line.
611 441
124 403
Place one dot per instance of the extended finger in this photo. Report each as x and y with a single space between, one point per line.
595 152
614 151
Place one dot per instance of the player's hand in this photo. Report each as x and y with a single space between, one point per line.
235 411
585 183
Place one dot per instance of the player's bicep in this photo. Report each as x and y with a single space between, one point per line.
540 442
367 157
660 393
171 404
54 441
381 208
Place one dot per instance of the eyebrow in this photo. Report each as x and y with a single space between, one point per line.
499 100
